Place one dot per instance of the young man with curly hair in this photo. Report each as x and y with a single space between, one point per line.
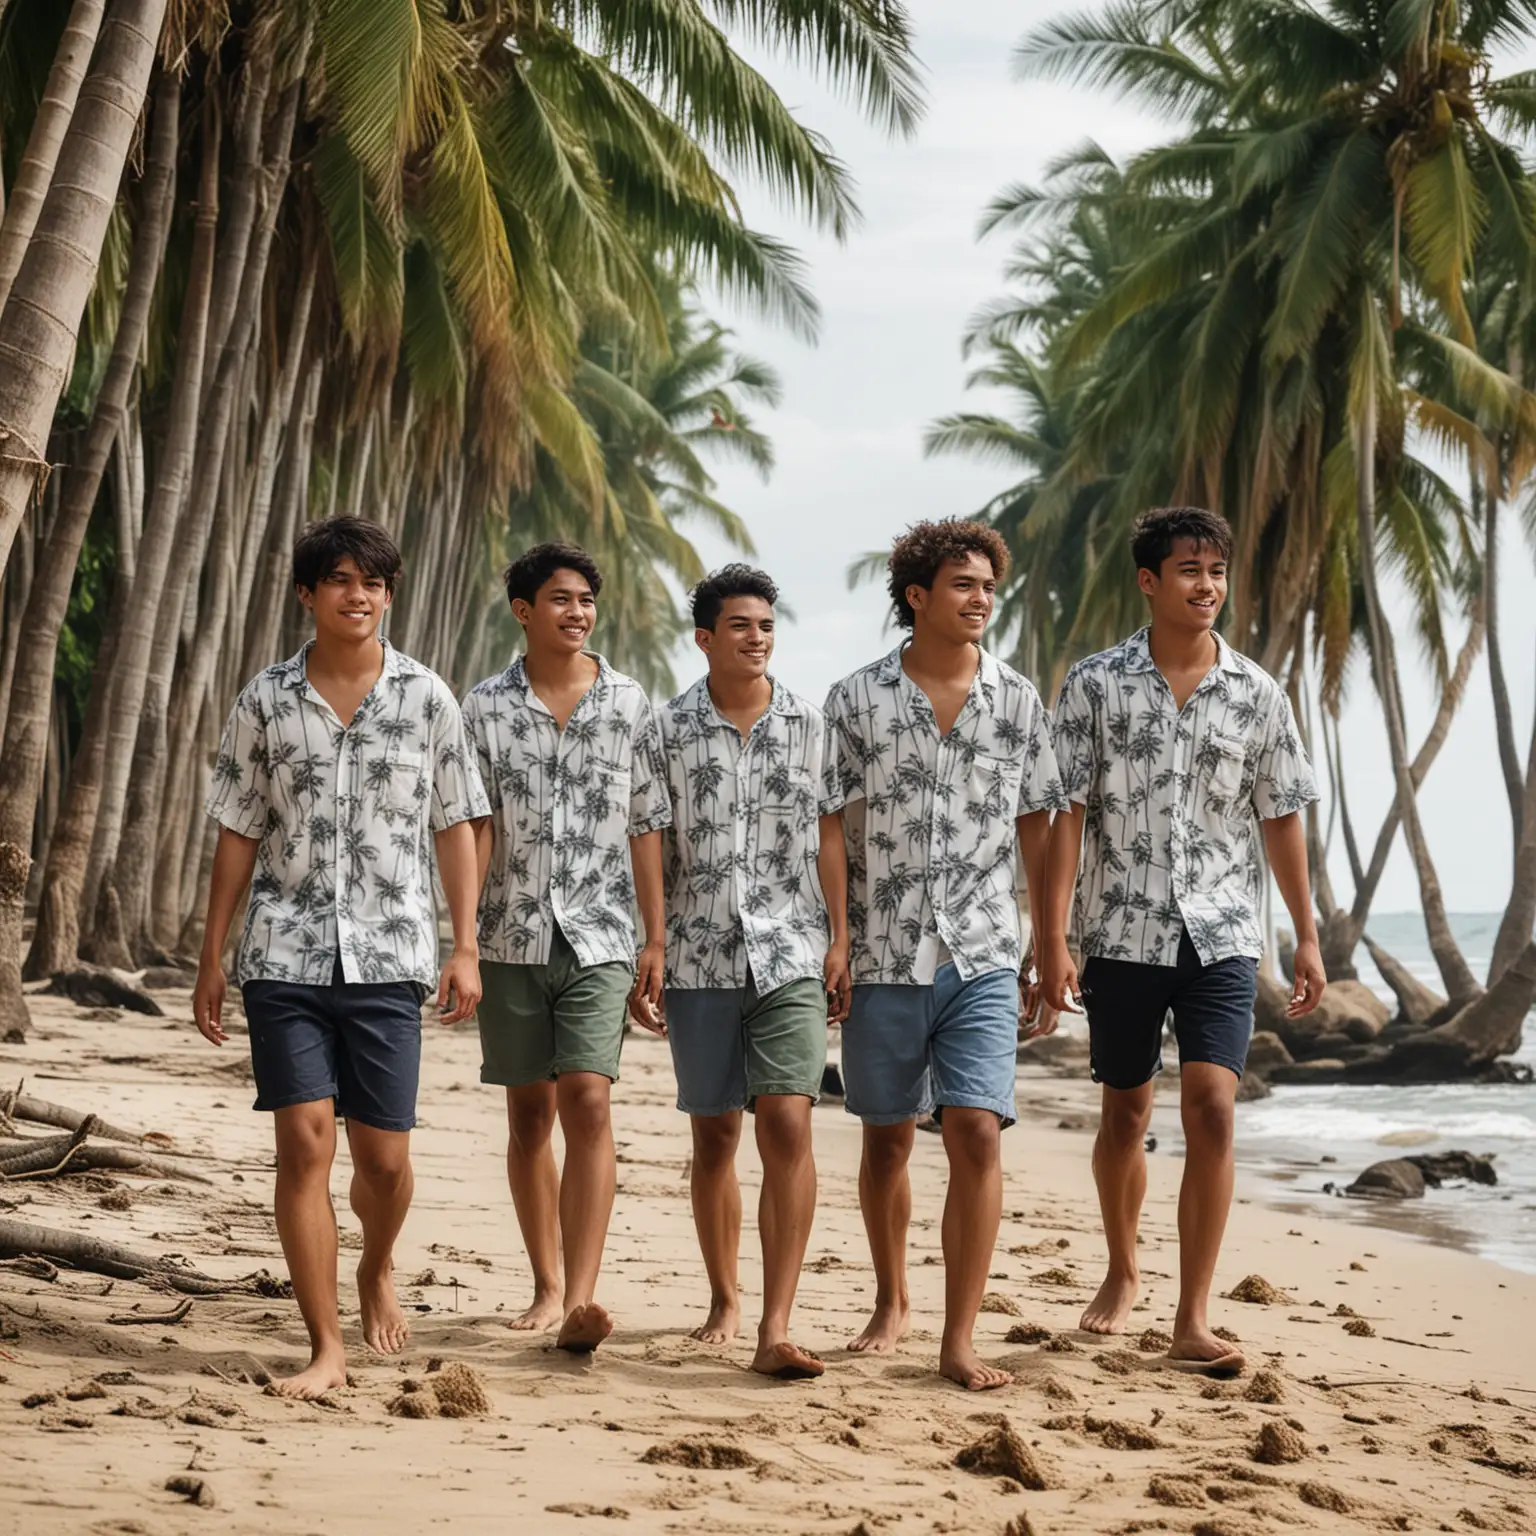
746 1002
1178 755
944 778
335 767
570 757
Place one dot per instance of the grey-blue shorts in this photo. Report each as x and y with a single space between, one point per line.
730 1045
356 1043
911 1050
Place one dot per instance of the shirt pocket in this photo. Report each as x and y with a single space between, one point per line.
608 788
401 786
992 784
1229 762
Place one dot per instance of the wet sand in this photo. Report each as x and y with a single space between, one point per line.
1422 1418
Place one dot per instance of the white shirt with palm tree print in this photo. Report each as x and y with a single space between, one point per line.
930 820
741 878
343 814
564 805
1172 801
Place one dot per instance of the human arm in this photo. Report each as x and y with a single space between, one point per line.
650 968
1034 832
832 867
458 987
1285 842
234 861
1058 970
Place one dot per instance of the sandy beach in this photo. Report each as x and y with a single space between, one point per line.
1398 1376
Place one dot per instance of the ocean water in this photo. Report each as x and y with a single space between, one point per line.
1283 1138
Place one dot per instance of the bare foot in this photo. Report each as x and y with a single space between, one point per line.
1107 1312
884 1331
962 1364
1199 1350
385 1329
545 1312
326 1370
584 1329
786 1362
721 1324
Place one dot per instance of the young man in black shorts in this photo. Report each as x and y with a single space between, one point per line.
335 767
1175 752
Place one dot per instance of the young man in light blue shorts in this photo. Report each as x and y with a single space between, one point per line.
944 776
746 1002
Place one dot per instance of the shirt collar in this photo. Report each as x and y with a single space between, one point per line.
294 672
516 675
889 671
1138 653
699 702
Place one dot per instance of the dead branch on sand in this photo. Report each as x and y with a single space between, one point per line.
175 1315
41 1159
90 1159
16 1105
20 1239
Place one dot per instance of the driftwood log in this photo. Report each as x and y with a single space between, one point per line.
97 986
41 1158
20 1239
17 1105
89 1159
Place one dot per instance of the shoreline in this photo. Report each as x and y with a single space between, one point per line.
667 1435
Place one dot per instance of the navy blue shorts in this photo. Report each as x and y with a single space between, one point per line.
359 1044
1127 1003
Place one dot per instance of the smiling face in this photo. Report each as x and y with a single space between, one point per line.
560 618
1187 593
958 606
740 646
347 604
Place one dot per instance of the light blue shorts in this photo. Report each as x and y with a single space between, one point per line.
911 1050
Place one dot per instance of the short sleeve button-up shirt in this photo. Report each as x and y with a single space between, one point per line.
742 884
1172 800
564 805
342 814
931 820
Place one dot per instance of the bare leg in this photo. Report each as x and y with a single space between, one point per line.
1206 1098
717 1217
1120 1171
785 1211
535 1184
382 1183
885 1198
586 1203
973 1209
306 1224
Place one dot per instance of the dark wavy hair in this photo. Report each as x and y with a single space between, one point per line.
535 566
324 545
920 553
736 580
1159 529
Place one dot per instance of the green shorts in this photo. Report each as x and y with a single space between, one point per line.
537 1021
729 1045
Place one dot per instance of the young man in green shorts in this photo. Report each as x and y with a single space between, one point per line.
746 997
569 754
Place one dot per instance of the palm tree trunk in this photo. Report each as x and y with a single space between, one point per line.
128 494
16 586
1503 718
74 868
35 174
1520 911
1460 985
42 315
27 733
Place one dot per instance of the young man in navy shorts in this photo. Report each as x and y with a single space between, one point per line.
336 768
1177 755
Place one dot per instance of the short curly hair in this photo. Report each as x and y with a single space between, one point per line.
920 553
735 580
324 545
535 566
1158 529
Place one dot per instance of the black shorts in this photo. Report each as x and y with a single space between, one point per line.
359 1044
1127 1003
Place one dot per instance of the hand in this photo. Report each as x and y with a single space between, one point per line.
1059 986
1311 981
645 1006
459 982
838 979
208 1000
1039 1017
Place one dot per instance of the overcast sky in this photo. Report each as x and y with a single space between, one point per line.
895 299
